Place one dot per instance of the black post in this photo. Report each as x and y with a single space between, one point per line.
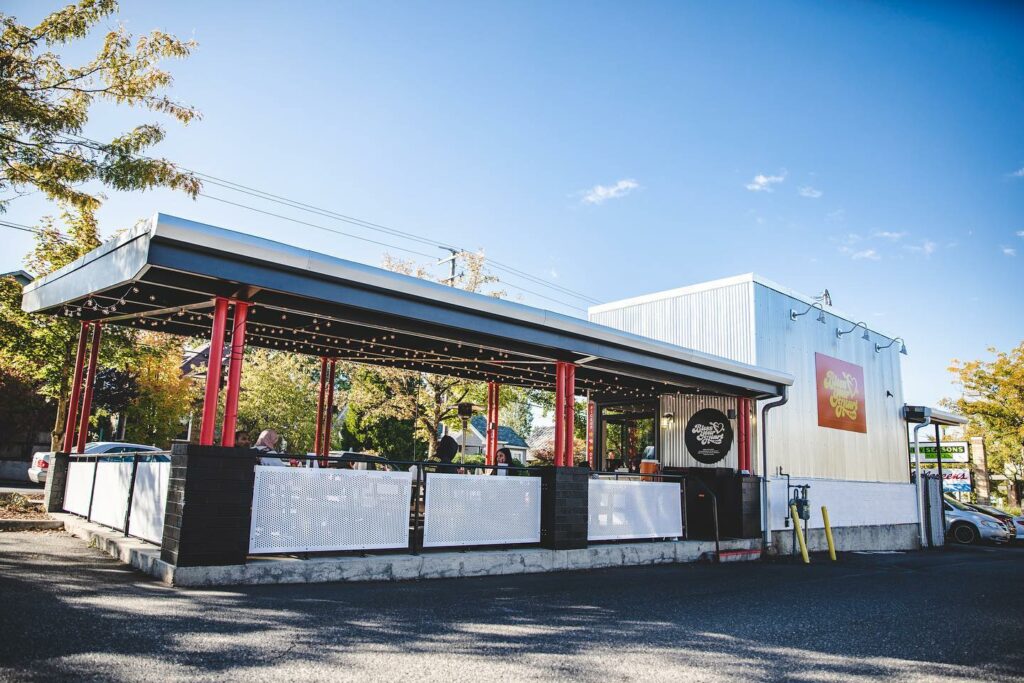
92 491
56 483
563 507
131 492
420 477
942 482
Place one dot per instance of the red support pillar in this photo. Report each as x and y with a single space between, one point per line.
76 390
325 444
743 436
565 389
320 406
227 436
220 319
493 389
90 383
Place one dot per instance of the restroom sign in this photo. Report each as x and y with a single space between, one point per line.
840 389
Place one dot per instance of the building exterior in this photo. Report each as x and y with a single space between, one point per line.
476 439
842 430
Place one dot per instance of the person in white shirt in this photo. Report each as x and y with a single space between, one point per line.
502 457
267 446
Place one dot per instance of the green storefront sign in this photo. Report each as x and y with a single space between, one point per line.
954 451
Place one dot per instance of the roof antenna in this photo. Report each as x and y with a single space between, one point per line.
825 298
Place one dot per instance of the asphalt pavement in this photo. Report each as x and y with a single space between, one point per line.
68 612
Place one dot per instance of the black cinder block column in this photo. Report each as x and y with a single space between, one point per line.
209 506
56 481
563 507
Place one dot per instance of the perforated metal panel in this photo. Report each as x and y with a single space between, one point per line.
300 510
79 484
110 500
633 509
149 501
465 509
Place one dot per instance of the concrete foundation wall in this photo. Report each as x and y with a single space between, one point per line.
853 538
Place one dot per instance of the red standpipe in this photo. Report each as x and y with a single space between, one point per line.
76 390
220 319
227 436
90 384
565 388
493 389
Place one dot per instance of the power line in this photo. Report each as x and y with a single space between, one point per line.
302 206
37 231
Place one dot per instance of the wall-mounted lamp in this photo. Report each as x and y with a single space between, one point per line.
903 345
667 420
866 337
793 315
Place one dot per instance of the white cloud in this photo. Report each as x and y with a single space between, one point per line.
869 254
764 183
837 215
599 194
810 192
553 273
889 235
1019 173
927 247
1020 233
1009 251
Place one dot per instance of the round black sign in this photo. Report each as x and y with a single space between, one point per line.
708 436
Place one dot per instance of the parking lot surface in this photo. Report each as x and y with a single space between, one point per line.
72 613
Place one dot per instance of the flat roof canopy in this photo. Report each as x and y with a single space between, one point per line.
917 415
165 275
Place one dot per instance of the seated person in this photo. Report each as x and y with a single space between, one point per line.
267 447
242 439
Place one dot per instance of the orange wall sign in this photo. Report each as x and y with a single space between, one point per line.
840 387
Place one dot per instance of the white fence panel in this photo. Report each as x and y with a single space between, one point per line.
110 499
633 509
295 509
463 509
849 503
149 501
78 487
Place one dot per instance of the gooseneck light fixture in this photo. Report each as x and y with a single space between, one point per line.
793 315
866 337
903 345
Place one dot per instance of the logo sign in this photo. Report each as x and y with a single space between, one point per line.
952 451
956 480
708 436
840 387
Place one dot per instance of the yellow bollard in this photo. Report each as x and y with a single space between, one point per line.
828 534
799 534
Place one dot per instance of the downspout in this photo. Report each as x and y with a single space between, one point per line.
766 526
917 477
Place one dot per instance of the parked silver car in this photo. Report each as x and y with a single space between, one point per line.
965 525
41 461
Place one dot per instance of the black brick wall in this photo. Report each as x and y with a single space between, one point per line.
209 503
563 507
56 481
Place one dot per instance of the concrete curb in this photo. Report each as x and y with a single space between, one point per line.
399 567
30 524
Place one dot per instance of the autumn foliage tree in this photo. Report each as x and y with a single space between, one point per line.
993 399
44 111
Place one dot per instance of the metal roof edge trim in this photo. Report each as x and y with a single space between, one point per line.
260 248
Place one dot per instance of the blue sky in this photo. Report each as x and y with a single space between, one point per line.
624 148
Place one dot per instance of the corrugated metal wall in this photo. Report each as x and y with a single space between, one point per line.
795 441
718 321
673 445
750 322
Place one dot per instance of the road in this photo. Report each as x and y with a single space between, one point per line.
71 613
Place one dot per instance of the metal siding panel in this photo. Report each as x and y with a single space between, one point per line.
717 321
795 441
673 444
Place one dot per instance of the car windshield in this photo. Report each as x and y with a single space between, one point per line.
958 505
93 447
991 510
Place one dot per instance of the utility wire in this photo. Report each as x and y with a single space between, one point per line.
268 196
